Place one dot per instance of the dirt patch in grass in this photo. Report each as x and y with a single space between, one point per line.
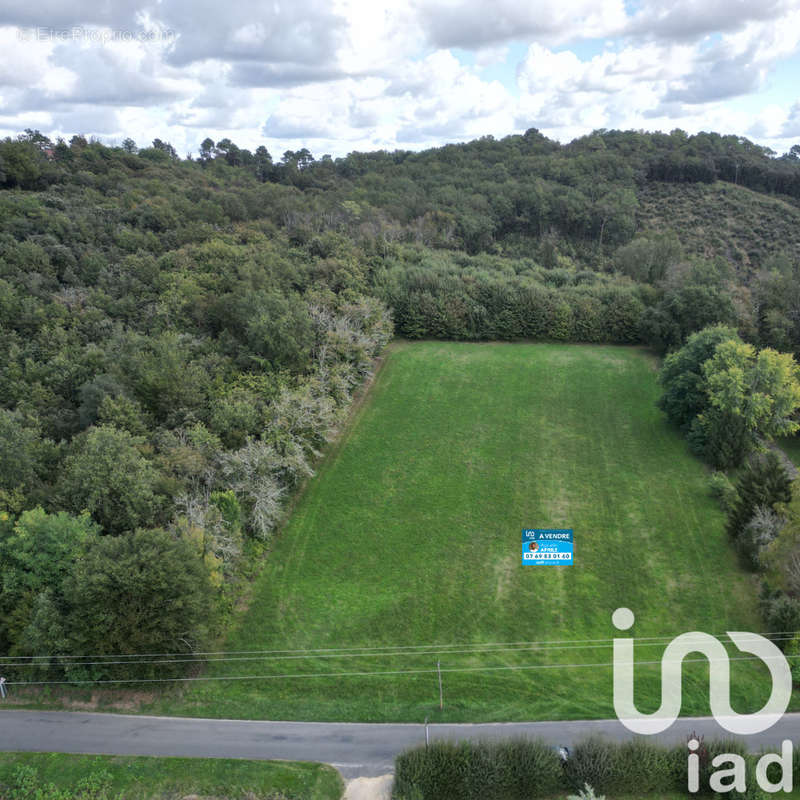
504 569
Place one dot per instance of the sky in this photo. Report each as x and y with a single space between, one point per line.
362 75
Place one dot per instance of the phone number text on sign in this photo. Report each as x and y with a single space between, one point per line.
547 546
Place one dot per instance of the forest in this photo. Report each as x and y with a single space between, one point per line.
180 337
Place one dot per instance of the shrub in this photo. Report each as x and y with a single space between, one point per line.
513 770
27 785
720 439
526 767
781 612
523 769
635 767
723 490
710 750
792 650
763 528
764 483
587 793
594 761
431 772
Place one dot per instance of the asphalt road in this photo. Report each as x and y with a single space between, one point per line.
354 749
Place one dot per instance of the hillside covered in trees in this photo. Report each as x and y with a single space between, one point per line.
179 337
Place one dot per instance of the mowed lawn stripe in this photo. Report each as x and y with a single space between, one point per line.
410 535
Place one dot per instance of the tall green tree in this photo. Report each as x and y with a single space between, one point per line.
147 592
37 551
682 377
22 458
759 388
751 395
107 475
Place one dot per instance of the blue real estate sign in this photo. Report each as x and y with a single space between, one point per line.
547 546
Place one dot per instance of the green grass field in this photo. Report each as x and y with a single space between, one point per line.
144 778
410 536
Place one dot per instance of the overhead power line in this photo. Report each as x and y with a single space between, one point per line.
432 670
475 650
389 649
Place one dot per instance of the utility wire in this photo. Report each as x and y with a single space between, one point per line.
400 649
604 664
480 649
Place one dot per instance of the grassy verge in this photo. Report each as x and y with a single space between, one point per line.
146 778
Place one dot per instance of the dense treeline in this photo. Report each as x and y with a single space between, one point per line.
179 337
520 193
166 379
731 401
463 297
